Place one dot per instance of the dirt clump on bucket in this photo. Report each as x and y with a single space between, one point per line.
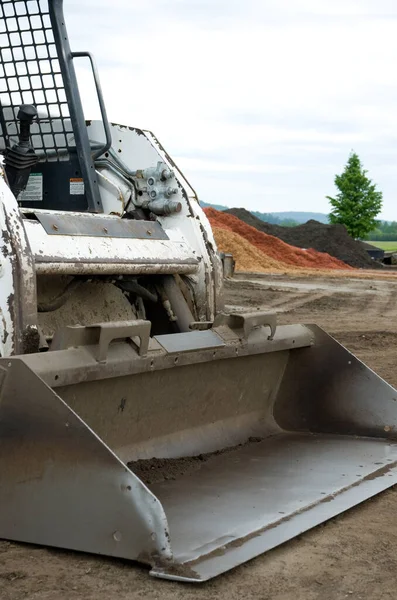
154 470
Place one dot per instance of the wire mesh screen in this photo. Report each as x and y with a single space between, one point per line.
30 73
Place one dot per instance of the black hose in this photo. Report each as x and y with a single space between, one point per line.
60 300
129 285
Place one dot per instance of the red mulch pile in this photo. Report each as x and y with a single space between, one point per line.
274 247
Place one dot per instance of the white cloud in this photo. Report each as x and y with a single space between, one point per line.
266 83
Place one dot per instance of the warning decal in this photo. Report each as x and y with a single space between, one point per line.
34 189
76 187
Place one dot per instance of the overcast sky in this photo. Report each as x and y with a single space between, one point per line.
259 101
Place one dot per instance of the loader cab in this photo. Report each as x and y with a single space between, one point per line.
37 71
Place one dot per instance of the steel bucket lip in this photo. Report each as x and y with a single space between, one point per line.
363 472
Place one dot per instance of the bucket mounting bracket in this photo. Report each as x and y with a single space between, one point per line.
101 335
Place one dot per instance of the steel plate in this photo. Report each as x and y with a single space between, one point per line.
247 501
194 340
98 226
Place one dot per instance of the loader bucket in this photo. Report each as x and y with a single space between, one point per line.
193 452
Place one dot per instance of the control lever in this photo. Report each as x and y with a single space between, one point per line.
20 159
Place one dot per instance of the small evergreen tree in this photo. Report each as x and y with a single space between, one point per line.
358 202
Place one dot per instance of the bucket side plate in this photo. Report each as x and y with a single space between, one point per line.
61 485
337 447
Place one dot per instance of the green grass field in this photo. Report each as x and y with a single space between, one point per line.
387 246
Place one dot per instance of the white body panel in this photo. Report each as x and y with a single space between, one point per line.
77 254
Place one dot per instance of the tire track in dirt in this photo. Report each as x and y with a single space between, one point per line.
390 307
332 306
287 304
349 298
279 299
293 304
347 304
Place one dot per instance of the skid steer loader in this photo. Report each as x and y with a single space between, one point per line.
137 418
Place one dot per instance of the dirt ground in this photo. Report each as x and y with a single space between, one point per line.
351 556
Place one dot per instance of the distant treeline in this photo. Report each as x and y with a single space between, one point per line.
386 231
284 219
269 218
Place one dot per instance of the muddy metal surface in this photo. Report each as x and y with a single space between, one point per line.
352 556
162 469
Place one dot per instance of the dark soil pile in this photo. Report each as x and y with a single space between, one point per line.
332 239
